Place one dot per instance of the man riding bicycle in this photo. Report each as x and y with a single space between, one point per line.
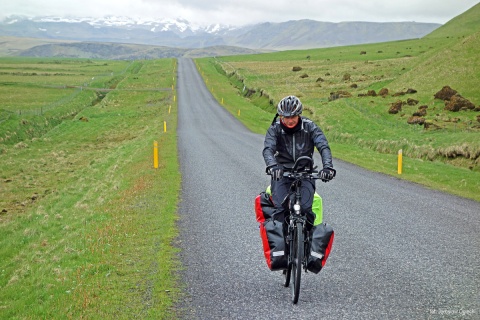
287 139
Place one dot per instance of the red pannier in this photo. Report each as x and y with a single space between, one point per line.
263 207
322 240
271 232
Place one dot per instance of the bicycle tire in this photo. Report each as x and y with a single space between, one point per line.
297 261
287 273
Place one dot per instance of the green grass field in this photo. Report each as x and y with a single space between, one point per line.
86 221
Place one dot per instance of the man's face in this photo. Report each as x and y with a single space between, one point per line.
290 122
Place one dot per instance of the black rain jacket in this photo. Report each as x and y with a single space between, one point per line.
283 148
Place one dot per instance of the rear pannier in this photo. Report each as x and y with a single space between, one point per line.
322 240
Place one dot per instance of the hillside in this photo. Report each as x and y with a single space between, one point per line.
118 51
101 51
11 46
462 25
455 63
304 34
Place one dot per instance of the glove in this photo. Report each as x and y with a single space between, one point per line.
276 172
327 174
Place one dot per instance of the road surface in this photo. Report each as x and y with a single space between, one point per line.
401 251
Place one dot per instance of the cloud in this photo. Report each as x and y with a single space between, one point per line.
235 12
253 11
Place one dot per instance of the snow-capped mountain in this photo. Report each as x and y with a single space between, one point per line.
179 33
178 26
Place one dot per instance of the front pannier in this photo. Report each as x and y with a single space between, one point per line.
271 232
263 207
322 240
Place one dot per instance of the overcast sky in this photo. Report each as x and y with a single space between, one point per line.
242 12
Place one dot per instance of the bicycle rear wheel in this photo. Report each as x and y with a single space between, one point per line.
297 259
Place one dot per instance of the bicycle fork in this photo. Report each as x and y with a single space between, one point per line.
290 243
296 209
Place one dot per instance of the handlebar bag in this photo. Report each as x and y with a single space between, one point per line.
271 232
321 245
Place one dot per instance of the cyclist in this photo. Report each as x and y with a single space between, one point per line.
287 139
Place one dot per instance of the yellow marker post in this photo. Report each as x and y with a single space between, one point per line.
174 98
239 112
400 161
155 154
222 100
169 109
164 126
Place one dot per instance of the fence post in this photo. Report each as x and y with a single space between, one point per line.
400 161
155 154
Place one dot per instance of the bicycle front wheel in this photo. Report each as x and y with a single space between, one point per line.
286 274
297 259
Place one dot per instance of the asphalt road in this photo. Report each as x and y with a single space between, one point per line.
401 251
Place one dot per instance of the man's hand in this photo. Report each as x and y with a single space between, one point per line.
276 172
327 174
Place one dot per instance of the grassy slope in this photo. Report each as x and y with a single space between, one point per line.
461 26
457 63
89 223
360 129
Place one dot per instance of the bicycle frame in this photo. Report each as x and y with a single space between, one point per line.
295 218
297 234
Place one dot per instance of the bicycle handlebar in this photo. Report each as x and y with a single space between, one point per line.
301 175
300 161
306 171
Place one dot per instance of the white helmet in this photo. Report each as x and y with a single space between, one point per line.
289 106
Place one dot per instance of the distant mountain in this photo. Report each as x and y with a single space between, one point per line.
174 33
306 34
301 34
119 51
